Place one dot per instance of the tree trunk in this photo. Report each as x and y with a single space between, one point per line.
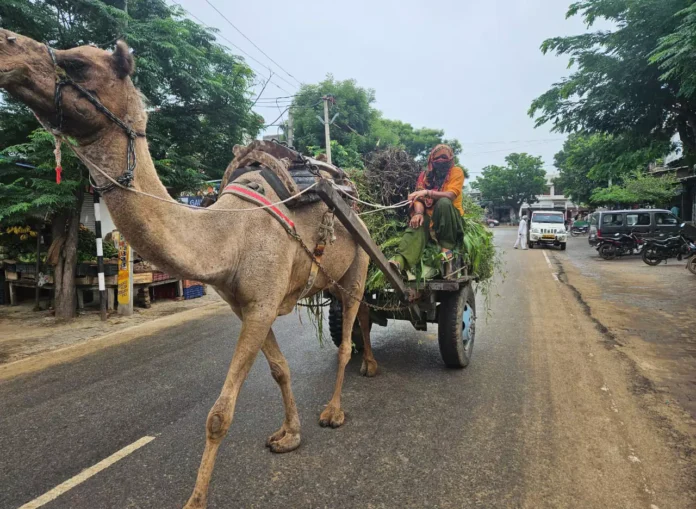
66 224
686 126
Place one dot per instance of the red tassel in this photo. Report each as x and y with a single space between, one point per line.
59 169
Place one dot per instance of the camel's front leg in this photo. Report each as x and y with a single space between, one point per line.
333 415
287 438
255 329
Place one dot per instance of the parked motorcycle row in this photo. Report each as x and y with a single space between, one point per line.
679 247
653 251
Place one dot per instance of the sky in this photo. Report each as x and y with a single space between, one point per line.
470 67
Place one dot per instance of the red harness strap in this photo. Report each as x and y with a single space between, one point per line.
258 199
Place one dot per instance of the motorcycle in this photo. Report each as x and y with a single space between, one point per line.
679 247
576 231
619 245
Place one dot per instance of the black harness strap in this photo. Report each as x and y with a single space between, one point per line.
62 79
270 177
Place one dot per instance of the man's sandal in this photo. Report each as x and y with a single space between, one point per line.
446 255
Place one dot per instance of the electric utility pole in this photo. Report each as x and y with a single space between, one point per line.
291 134
327 124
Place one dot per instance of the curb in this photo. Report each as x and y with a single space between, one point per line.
61 355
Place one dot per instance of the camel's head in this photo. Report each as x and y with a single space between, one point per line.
28 74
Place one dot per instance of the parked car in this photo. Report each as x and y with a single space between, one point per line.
645 223
492 222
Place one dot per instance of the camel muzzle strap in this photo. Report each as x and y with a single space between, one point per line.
62 80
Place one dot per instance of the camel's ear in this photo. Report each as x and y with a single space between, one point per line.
123 60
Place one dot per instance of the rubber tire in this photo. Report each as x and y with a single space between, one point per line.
530 245
450 313
604 253
650 261
336 326
691 264
563 246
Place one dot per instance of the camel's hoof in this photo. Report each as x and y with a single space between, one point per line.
196 502
369 368
331 417
283 441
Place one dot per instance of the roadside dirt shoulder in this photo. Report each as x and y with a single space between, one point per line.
598 433
25 333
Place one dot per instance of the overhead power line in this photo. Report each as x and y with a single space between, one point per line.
540 140
252 42
218 34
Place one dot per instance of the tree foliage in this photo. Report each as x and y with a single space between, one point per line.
617 87
638 189
589 161
675 54
359 128
519 181
33 192
198 99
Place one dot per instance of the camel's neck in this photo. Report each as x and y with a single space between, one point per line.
176 239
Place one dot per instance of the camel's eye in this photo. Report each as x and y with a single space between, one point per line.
76 69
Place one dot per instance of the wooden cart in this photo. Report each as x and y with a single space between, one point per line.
449 302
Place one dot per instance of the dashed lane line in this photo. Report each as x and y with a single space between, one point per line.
86 474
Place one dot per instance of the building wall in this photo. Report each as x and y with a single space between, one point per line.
87 215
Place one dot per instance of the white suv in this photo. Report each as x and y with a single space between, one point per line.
547 227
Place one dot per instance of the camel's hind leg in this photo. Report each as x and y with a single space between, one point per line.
255 328
369 365
287 438
354 280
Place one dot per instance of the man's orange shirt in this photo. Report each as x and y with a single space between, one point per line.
454 183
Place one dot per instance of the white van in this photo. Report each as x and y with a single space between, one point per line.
547 227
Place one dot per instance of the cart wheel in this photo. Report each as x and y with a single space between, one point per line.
336 326
457 327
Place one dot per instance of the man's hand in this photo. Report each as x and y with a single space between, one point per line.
416 195
416 221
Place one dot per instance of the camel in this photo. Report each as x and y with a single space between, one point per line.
255 266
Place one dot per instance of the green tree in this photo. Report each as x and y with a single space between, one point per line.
359 127
28 195
616 89
638 189
520 181
351 102
675 51
589 161
417 142
198 102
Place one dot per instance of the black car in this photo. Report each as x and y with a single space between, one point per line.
646 223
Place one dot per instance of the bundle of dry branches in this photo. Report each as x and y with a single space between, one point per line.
391 174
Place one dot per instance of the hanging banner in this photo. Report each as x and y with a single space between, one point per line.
124 257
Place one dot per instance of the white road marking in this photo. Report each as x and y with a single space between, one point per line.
548 262
555 276
86 474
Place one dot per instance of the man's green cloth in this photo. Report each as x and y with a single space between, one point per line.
447 227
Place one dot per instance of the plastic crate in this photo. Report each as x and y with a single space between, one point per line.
193 292
82 270
164 292
26 268
160 276
189 283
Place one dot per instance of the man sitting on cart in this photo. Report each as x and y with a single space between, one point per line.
436 210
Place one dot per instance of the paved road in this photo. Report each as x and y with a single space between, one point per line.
545 416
